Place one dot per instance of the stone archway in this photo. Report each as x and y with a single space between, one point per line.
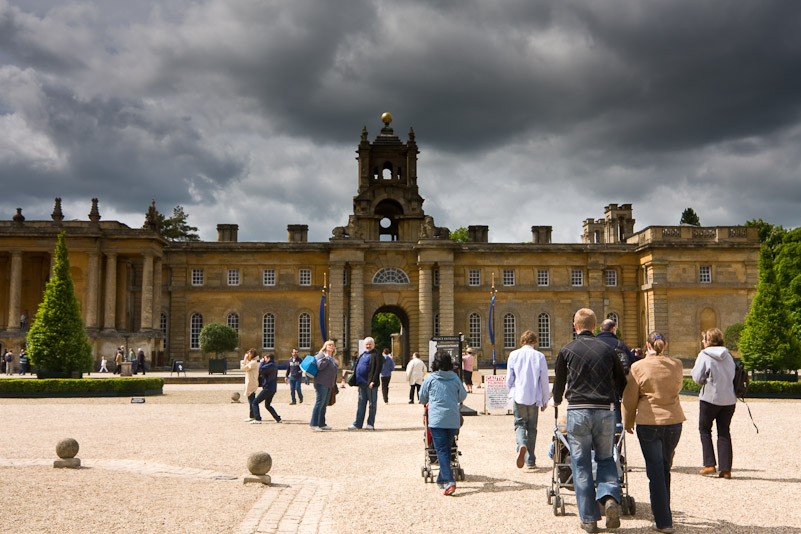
403 355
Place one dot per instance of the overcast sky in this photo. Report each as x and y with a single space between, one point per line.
526 113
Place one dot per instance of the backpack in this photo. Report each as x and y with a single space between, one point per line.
622 356
741 380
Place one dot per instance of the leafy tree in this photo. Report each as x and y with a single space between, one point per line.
767 341
770 235
689 216
57 339
460 235
176 228
788 275
218 338
732 336
383 326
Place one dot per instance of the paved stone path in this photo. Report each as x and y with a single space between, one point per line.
292 504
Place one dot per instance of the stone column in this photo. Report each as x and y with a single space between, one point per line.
110 309
356 305
157 264
446 318
146 318
92 289
15 290
426 308
336 301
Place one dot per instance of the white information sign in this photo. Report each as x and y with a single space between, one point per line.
495 394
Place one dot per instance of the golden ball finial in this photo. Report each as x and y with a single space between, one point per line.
386 118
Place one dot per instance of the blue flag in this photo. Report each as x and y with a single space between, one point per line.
322 318
492 333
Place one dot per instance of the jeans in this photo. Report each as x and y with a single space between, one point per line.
254 411
412 389
294 385
721 415
267 397
385 387
526 429
320 405
443 441
366 394
587 431
658 443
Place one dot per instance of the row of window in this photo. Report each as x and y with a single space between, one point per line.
267 330
543 277
268 277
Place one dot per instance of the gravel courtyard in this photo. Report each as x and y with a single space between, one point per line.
175 464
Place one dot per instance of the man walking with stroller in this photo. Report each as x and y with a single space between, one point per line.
527 381
596 380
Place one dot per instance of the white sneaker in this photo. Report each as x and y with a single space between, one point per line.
255 422
327 427
353 427
249 419
316 429
369 427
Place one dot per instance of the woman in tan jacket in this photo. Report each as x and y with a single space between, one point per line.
651 399
251 367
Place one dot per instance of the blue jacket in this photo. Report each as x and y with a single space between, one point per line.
443 391
268 376
389 366
326 371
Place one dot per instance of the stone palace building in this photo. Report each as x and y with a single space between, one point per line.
139 289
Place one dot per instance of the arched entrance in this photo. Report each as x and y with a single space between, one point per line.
399 344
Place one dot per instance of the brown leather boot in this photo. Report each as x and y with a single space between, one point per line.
707 471
725 474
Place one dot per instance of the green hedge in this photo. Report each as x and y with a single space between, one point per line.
82 385
756 389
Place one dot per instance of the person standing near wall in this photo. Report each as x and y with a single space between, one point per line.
386 374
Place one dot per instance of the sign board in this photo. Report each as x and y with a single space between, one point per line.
450 344
495 393
177 367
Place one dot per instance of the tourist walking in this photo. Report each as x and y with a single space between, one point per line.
527 382
268 379
714 372
324 383
651 400
103 362
24 362
118 361
442 391
386 374
250 364
594 378
140 361
368 378
608 334
294 375
467 369
9 362
415 372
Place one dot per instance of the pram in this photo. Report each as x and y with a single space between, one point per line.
431 465
562 475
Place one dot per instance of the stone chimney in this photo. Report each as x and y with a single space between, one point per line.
227 232
541 235
478 234
297 233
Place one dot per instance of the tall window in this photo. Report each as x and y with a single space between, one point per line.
390 275
436 277
345 330
436 325
304 331
233 321
705 274
268 277
509 331
268 331
195 326
613 316
233 277
474 277
304 277
163 327
345 277
508 277
542 277
577 277
197 277
544 330
611 277
474 327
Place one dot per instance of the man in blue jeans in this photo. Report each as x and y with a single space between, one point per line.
294 376
597 379
368 378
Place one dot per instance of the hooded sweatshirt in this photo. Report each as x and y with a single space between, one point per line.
443 391
714 371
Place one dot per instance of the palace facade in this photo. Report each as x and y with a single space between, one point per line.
138 289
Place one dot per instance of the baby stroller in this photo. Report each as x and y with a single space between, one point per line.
428 471
562 474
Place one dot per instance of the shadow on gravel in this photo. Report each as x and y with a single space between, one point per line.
703 525
492 485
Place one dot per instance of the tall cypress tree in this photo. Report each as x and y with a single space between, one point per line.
57 340
767 341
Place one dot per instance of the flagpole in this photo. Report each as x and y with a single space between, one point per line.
493 293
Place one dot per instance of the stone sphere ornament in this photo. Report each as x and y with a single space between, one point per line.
67 448
260 463
235 396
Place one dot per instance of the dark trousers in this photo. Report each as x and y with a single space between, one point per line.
658 444
118 369
721 415
412 389
267 397
385 387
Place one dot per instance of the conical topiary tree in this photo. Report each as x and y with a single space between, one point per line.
57 339
767 341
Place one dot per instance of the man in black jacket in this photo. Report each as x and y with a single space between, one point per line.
368 378
597 380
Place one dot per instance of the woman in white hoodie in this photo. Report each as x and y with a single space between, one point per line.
714 371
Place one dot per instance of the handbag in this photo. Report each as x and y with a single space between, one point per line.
352 379
333 398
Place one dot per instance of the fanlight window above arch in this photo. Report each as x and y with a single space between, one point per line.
390 275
